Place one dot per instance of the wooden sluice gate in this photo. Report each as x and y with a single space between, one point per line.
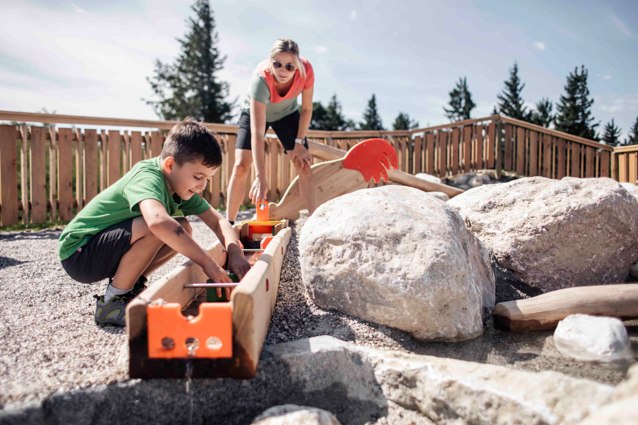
173 329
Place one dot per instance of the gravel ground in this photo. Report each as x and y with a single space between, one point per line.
51 344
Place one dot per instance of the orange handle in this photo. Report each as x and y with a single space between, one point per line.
262 211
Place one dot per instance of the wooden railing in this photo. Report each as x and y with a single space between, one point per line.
47 173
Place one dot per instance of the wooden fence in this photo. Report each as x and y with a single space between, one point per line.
48 173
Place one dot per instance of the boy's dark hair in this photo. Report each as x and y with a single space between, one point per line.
189 141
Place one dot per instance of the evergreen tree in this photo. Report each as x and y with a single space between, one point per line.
190 86
574 107
632 137
461 103
318 121
611 136
404 122
329 118
543 113
510 101
371 118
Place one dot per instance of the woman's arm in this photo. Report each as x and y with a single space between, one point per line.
306 112
300 154
259 189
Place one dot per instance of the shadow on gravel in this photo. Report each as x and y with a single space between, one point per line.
31 235
8 262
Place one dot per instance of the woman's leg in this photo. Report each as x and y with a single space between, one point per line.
237 183
307 188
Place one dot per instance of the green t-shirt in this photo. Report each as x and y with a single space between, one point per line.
120 202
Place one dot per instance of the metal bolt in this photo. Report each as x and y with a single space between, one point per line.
168 343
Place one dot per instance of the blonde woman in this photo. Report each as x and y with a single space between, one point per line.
272 102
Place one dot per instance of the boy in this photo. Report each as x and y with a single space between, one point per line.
129 230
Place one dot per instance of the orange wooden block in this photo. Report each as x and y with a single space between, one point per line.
170 332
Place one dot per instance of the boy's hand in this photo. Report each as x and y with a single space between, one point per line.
219 275
237 262
259 190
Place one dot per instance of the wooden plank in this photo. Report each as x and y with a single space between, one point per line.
52 183
157 140
65 175
622 167
491 145
633 171
520 151
455 150
103 157
429 149
509 148
90 166
590 155
561 159
546 310
37 153
604 164
442 140
80 183
533 153
418 154
479 156
114 153
135 145
25 135
574 167
547 156
9 175
467 148
126 153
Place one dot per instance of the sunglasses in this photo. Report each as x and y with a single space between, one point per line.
289 66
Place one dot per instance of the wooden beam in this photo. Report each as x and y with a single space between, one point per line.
546 310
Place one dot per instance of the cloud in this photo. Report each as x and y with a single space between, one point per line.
78 9
539 45
607 77
620 25
321 49
625 103
353 15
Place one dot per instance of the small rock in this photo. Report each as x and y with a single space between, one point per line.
291 414
592 338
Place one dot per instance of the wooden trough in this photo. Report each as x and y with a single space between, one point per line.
174 332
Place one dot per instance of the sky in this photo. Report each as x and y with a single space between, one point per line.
92 58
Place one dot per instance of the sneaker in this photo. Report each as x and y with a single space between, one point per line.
112 312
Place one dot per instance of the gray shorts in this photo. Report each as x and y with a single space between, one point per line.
101 256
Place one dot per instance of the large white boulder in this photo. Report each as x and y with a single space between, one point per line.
553 234
592 338
396 256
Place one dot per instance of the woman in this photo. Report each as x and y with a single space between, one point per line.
272 102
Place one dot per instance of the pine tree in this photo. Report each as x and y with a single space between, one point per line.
611 136
371 118
510 101
404 122
574 107
632 137
318 121
543 113
461 103
334 115
190 86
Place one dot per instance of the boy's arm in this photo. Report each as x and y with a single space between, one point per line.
229 238
169 231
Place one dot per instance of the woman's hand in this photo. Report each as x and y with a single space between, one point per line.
259 190
301 156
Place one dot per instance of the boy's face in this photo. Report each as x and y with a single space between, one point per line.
187 179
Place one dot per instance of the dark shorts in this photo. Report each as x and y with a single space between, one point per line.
101 256
285 129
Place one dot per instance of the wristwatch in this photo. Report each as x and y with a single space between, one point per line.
300 141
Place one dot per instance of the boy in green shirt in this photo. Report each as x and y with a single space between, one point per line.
132 228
